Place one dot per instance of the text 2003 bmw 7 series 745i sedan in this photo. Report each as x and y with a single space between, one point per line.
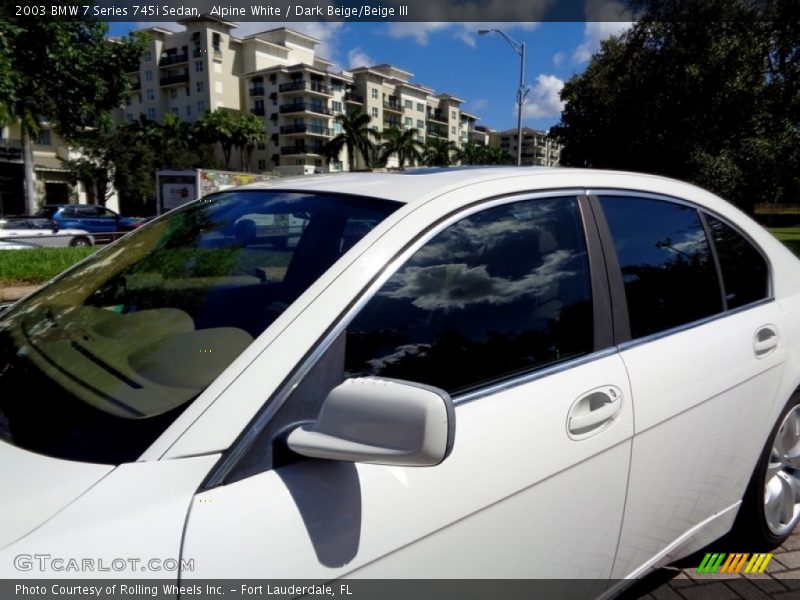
495 373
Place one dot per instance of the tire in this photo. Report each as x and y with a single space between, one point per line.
80 241
771 507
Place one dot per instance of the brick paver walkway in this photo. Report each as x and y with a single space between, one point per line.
781 581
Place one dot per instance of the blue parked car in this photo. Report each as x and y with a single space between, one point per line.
92 218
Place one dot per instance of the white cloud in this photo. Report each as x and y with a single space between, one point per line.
543 100
558 59
467 32
420 32
358 58
477 105
593 34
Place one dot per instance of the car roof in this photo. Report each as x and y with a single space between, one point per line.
418 184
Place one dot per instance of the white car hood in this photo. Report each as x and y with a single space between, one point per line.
37 487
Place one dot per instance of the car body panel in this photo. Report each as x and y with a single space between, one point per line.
333 516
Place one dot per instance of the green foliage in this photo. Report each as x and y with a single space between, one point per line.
480 154
404 144
703 90
439 152
356 135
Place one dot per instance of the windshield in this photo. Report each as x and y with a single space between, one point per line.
97 364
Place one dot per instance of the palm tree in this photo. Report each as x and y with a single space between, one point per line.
471 154
248 130
356 134
405 144
438 152
494 155
218 125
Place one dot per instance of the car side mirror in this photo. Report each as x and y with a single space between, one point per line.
380 421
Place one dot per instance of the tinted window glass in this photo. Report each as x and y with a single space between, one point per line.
744 270
666 262
499 293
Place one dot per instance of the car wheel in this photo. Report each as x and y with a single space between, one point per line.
80 241
771 507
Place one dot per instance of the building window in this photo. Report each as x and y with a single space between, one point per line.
188 110
173 93
374 112
151 95
129 118
420 124
261 146
148 56
262 164
375 93
127 101
420 107
336 106
408 104
408 122
139 97
198 66
216 41
453 115
148 76
453 130
199 87
201 106
174 110
188 91
151 114
44 137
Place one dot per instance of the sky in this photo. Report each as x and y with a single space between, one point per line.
452 58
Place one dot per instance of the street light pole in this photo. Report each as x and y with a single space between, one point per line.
519 48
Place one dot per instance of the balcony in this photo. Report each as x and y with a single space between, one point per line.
256 91
432 131
354 98
175 79
173 59
136 85
197 53
393 106
305 86
306 129
301 150
259 111
437 116
391 122
298 107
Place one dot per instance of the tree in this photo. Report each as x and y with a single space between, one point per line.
61 71
439 152
404 144
703 90
219 126
248 130
356 135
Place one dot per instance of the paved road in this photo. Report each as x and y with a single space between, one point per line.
781 581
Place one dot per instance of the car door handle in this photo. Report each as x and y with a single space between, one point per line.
593 411
765 340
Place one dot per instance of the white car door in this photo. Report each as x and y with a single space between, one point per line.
704 358
505 306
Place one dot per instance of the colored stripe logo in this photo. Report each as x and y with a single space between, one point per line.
734 563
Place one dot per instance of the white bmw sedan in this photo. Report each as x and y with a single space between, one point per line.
488 373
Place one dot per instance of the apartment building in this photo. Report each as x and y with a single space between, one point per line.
538 148
52 182
277 76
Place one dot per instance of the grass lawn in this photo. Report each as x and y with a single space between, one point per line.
30 267
789 236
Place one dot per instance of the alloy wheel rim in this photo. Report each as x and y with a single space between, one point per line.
782 481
